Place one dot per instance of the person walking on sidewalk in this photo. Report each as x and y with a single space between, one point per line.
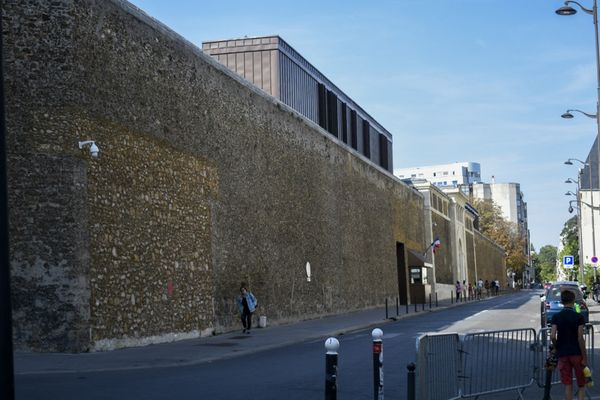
247 304
458 291
569 344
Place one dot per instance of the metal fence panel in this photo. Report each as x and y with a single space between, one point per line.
497 361
438 364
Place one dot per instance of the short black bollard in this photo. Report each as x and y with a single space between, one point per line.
411 393
423 305
436 300
451 297
377 334
397 307
416 307
331 361
407 306
430 301
386 308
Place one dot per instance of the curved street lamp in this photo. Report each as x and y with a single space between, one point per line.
567 114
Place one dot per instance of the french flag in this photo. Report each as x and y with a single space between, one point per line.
436 244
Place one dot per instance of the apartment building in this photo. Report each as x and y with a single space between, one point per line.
444 175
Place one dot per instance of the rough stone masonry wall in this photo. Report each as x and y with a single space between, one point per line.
202 182
491 262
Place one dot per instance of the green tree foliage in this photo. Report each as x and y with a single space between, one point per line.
505 233
570 241
545 263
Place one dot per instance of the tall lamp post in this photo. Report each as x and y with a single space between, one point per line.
568 10
580 197
578 234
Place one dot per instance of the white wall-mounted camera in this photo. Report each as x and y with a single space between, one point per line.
94 150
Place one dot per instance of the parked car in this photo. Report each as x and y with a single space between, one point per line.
551 304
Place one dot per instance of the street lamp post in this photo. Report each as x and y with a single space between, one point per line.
579 235
580 198
568 10
579 230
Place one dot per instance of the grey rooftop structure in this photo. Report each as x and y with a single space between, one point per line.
275 67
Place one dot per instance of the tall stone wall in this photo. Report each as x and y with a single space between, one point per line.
491 261
202 182
444 257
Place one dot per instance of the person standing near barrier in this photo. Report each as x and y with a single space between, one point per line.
247 305
458 290
569 344
479 288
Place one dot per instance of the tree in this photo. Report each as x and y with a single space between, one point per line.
570 241
505 233
545 262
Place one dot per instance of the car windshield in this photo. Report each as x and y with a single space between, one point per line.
554 292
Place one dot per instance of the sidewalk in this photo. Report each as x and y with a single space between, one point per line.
206 349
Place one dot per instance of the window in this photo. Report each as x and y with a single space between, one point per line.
353 130
413 175
434 174
332 113
445 173
322 106
344 123
366 139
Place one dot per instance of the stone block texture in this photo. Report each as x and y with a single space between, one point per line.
202 182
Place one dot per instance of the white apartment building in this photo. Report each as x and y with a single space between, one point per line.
506 195
589 197
444 175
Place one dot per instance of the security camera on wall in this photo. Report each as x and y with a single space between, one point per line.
94 150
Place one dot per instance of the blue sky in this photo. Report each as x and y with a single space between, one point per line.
452 80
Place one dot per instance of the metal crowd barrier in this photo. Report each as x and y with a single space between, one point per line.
452 367
543 348
497 361
438 365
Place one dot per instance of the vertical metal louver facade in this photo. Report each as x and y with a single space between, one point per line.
275 67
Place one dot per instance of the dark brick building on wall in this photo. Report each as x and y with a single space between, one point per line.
274 66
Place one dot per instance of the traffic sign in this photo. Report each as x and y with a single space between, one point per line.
568 261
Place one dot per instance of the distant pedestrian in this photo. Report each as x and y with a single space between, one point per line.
569 345
493 287
497 287
247 304
471 292
458 290
486 285
479 288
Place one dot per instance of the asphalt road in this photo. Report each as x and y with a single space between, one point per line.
294 372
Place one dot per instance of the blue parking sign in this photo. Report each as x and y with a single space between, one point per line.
568 261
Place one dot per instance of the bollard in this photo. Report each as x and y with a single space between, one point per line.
397 307
331 360
430 301
377 334
423 305
386 308
436 300
407 306
416 308
451 297
410 384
